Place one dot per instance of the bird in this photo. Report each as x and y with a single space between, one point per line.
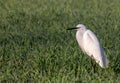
90 45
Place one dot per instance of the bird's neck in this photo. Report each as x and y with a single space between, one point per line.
79 35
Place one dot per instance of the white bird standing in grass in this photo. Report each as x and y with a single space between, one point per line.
90 45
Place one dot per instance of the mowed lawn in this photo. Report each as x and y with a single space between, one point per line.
35 46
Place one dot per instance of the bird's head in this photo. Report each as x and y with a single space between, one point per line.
78 27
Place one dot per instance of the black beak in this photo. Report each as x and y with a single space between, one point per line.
72 28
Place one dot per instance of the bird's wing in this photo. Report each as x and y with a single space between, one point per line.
91 42
93 48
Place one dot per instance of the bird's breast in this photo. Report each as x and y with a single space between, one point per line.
79 38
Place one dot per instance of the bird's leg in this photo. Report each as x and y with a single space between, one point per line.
92 64
92 57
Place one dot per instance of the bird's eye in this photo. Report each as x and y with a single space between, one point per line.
82 29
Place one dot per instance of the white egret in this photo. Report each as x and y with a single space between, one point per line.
90 45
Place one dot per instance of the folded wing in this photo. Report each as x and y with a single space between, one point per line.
93 48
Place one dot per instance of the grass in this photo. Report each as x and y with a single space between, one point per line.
35 46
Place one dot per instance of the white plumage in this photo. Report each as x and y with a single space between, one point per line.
90 45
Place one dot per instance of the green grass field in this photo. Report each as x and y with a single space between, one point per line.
35 46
